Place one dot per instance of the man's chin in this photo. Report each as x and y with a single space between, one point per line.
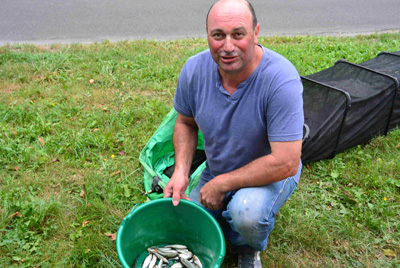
230 68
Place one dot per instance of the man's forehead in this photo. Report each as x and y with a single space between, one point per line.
229 24
229 19
230 10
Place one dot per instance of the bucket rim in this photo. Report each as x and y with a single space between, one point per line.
139 207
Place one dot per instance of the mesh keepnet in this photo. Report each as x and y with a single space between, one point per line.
388 63
372 97
324 110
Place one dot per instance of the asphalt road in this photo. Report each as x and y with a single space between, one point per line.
83 21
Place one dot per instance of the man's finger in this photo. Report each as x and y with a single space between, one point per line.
185 197
175 198
167 192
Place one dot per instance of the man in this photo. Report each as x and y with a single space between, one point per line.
247 102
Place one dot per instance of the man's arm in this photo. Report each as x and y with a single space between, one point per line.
283 162
185 142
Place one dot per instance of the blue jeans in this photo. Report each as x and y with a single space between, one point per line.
248 215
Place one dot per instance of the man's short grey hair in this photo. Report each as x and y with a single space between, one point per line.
253 14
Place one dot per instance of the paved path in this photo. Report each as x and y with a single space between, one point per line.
67 21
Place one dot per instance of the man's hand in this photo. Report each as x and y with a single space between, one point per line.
176 188
211 195
185 141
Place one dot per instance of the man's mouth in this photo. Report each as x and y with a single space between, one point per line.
228 59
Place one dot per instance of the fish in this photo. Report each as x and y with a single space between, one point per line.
186 256
160 263
183 250
166 249
177 265
147 260
168 254
187 263
177 255
153 261
177 246
160 257
197 261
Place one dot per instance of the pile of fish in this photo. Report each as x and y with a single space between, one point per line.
172 256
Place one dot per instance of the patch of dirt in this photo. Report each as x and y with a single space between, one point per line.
9 88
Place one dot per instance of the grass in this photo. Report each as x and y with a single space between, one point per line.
69 149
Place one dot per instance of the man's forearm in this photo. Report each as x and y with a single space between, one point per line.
257 173
264 170
185 142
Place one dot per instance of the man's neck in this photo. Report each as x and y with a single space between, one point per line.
232 81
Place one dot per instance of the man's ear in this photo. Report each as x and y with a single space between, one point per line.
256 32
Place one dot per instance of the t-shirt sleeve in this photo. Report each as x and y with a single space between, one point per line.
285 116
182 100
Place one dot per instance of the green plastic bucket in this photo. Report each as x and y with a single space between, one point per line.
158 222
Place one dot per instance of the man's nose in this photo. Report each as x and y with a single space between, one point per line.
229 44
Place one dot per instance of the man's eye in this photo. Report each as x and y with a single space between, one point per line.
217 36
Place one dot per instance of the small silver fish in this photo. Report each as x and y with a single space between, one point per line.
160 264
166 249
186 256
168 254
177 246
147 260
197 261
187 263
153 262
177 265
179 255
160 257
184 251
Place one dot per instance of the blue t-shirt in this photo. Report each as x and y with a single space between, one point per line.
237 128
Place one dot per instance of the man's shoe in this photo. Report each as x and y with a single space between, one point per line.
248 258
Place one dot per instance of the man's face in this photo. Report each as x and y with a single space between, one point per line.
231 37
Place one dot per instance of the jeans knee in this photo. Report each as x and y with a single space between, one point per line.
250 220
245 216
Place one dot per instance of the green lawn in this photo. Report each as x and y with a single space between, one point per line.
69 150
